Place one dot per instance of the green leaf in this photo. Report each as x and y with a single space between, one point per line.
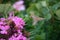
58 14
5 9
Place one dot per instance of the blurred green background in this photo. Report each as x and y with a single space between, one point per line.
47 29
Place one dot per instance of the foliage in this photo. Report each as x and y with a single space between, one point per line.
47 29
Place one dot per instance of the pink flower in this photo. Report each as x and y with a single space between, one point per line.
2 19
19 5
2 39
19 2
24 38
18 36
12 38
19 31
21 37
11 14
7 29
4 27
3 32
18 21
1 22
